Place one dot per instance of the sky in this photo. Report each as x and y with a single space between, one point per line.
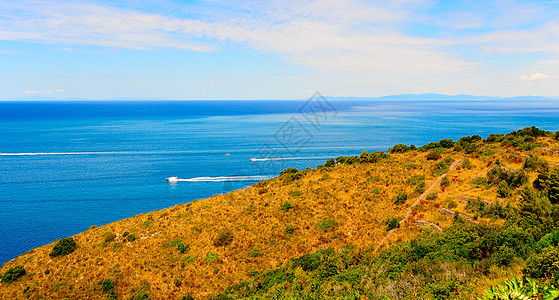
285 49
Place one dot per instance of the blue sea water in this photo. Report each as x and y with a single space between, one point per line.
91 163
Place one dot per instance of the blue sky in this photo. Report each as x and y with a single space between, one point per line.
276 49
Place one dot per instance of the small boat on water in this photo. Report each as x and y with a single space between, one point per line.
173 179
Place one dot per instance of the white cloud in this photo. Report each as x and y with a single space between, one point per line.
34 92
534 77
31 92
349 40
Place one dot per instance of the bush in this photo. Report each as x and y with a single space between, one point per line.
107 285
211 257
445 182
330 163
285 206
63 247
467 164
418 180
373 157
13 274
419 190
557 135
543 264
255 252
224 238
183 248
393 223
348 160
432 196
295 193
434 155
109 237
187 297
503 190
289 171
535 163
513 178
401 198
131 237
548 182
401 148
446 143
326 224
289 229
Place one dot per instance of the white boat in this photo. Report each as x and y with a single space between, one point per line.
173 179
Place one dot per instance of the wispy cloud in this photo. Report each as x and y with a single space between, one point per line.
34 92
373 41
534 77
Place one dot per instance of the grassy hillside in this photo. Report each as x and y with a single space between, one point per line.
344 229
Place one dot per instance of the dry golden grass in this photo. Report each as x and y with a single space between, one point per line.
359 198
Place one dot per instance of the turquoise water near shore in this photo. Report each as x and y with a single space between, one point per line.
76 164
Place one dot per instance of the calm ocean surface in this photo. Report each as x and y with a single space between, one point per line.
98 162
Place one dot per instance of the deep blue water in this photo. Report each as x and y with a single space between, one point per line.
113 157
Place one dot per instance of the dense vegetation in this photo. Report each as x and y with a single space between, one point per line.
447 220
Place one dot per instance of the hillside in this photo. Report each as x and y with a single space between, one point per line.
367 208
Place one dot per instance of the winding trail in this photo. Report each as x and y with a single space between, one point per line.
416 202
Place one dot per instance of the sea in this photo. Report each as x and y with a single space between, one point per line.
68 165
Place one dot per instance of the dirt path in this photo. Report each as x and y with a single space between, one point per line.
416 202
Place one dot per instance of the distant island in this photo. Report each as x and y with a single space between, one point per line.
476 217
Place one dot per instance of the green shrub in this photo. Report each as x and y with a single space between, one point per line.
418 180
452 204
543 264
131 237
514 178
330 163
434 155
178 283
326 224
289 229
445 181
348 160
255 252
109 237
375 190
419 190
13 274
107 285
224 238
373 157
446 143
211 257
432 196
535 163
285 206
126 233
393 223
187 297
401 148
548 182
63 247
401 198
295 193
467 164
475 205
183 248
503 190
289 171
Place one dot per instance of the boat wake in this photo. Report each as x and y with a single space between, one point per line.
288 158
52 153
221 178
